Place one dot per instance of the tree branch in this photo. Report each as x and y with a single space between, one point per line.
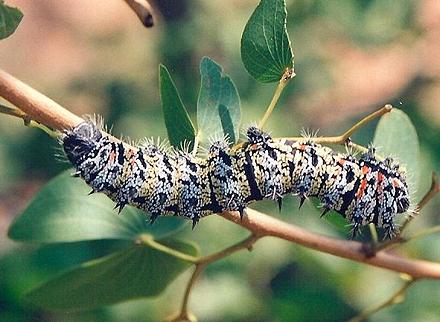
37 106
143 10
46 111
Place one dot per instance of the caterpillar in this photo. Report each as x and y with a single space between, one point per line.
364 190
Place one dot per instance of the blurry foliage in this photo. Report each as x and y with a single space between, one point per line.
305 295
275 281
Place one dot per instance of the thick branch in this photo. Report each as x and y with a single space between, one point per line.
37 106
46 111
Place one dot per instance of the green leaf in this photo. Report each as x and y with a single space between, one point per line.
179 126
339 222
24 268
63 212
396 136
135 272
265 44
218 106
9 20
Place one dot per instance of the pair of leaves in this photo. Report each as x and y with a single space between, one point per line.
266 54
218 107
9 19
61 213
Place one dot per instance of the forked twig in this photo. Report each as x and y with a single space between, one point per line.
184 314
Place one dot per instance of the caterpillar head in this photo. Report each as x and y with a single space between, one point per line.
80 140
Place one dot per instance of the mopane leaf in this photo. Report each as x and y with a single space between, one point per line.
218 106
265 44
63 212
179 126
9 19
138 271
396 137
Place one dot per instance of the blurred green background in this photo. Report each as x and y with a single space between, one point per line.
351 57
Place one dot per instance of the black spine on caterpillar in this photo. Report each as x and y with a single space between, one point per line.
364 191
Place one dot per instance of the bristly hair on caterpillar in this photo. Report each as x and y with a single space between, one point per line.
364 190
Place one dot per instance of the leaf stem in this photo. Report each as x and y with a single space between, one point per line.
149 241
396 298
287 76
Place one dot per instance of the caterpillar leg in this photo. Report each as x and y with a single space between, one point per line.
153 218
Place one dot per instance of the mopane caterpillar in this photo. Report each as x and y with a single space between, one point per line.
363 190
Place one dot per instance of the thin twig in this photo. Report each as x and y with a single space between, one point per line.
27 120
184 314
394 299
246 243
343 138
143 10
14 112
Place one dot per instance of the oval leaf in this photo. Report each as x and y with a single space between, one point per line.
135 272
218 105
63 212
9 20
396 136
179 126
265 44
